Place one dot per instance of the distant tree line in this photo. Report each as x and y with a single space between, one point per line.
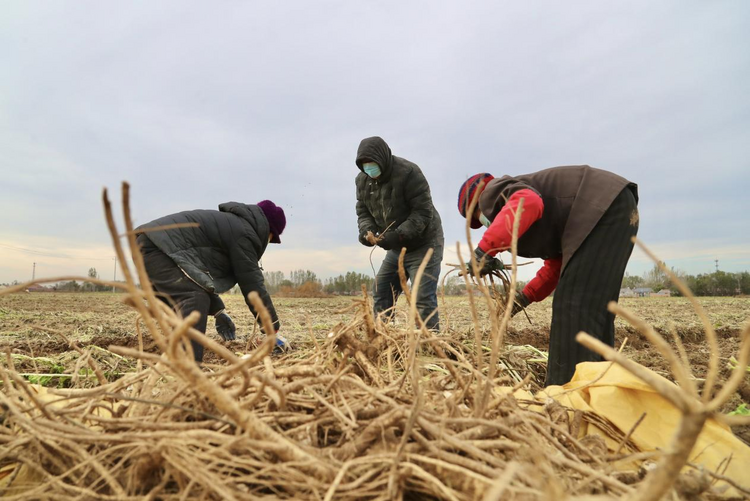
69 286
348 284
305 283
277 283
73 286
718 283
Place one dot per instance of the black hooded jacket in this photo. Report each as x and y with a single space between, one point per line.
222 251
400 195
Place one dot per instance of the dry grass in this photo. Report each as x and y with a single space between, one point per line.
373 411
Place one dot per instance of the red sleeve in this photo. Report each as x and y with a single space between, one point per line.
498 236
545 280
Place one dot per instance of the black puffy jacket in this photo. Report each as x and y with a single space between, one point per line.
222 251
400 195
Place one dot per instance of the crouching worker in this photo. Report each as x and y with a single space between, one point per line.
190 267
580 220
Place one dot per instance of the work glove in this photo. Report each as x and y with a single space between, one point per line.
363 239
485 263
520 302
224 326
389 240
282 345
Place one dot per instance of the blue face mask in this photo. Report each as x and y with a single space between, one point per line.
485 222
371 169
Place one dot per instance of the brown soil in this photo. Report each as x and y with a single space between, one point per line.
102 320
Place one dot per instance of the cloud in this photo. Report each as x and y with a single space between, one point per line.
694 256
324 262
47 257
198 105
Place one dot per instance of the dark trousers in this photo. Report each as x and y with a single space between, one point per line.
591 279
175 288
388 284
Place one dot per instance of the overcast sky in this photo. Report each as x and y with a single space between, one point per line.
199 103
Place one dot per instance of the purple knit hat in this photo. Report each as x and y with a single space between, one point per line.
276 219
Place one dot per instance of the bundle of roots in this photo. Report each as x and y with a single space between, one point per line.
360 416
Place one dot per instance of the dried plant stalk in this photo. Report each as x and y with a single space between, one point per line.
358 416
695 411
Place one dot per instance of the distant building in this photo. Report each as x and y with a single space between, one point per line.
643 291
662 293
627 292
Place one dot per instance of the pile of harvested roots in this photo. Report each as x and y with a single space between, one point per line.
360 417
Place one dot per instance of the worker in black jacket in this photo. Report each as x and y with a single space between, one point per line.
190 266
395 210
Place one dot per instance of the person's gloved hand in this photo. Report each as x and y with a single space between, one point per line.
485 263
224 326
389 240
520 302
282 345
363 240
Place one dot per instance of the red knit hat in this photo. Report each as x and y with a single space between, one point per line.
276 219
469 191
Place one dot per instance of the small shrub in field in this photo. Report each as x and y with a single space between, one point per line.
741 410
308 289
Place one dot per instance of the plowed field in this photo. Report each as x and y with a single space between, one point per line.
28 322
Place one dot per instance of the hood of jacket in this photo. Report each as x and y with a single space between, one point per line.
375 149
253 215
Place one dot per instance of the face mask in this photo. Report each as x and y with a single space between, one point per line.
485 222
371 169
